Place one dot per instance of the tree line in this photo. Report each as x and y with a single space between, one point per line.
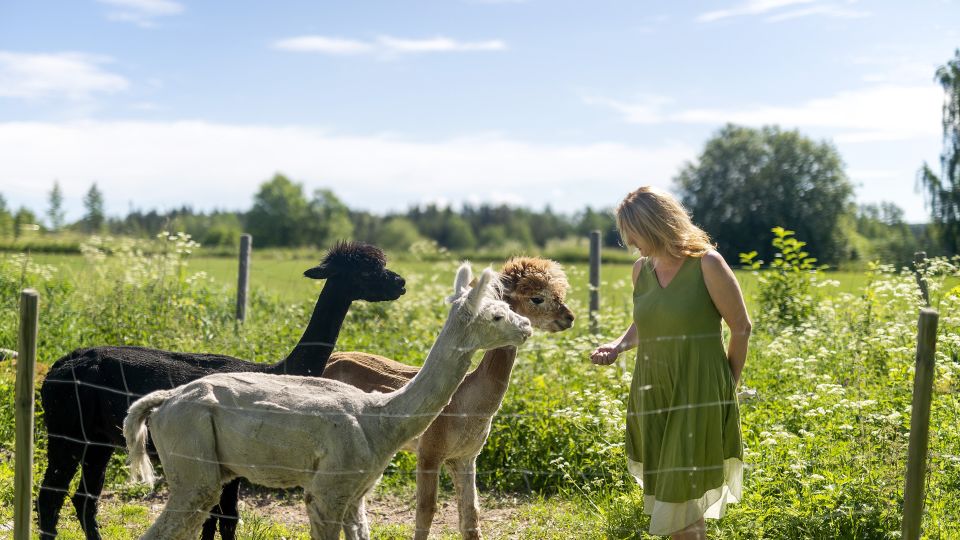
284 215
802 188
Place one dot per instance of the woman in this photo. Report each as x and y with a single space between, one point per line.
683 424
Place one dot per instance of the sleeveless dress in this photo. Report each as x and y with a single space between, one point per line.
683 423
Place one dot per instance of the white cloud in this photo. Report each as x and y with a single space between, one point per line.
166 164
70 75
896 66
878 113
384 45
438 44
751 7
647 109
141 12
496 197
321 44
826 10
761 7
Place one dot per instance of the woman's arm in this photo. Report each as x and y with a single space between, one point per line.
607 353
726 295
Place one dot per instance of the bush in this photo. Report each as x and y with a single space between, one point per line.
785 294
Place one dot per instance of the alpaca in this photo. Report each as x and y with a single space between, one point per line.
534 288
325 436
86 393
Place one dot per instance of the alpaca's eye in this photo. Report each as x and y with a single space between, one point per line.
498 317
537 300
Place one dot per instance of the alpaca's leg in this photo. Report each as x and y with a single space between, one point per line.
93 470
209 529
187 446
428 477
464 472
226 513
356 527
184 513
325 522
63 457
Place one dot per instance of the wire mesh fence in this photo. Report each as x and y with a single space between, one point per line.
824 438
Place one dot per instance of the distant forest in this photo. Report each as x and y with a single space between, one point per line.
283 216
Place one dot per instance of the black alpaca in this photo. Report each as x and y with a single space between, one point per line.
86 393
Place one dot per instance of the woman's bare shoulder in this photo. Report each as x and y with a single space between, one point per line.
714 263
637 267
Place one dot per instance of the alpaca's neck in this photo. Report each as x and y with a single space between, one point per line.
310 355
408 411
489 382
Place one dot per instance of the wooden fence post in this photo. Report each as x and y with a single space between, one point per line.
594 279
23 398
919 425
243 279
919 264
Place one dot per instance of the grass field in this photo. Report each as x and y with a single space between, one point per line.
825 440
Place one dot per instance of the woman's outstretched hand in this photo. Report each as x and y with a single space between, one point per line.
605 355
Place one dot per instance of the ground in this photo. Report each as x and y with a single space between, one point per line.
273 514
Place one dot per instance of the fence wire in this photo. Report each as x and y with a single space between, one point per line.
526 473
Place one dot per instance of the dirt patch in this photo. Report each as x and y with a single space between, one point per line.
383 509
386 509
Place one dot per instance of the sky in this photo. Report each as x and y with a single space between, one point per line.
396 103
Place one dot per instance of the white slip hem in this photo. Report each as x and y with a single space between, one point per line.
668 517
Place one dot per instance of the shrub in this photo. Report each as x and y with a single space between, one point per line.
784 289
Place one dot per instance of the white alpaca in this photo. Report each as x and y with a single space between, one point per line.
325 436
533 287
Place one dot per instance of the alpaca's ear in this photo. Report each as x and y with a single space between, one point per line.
508 284
321 271
481 289
462 281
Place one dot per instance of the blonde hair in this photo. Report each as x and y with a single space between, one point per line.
657 217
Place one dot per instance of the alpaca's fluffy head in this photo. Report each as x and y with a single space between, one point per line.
360 269
536 288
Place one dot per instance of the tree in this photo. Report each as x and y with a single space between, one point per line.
493 236
457 234
591 220
883 235
224 230
280 214
943 191
93 202
23 221
329 219
398 234
367 226
55 212
6 220
748 181
547 226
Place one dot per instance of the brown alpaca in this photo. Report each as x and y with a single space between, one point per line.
534 288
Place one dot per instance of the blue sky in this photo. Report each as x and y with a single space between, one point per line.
536 102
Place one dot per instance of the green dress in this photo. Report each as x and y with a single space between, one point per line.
683 423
